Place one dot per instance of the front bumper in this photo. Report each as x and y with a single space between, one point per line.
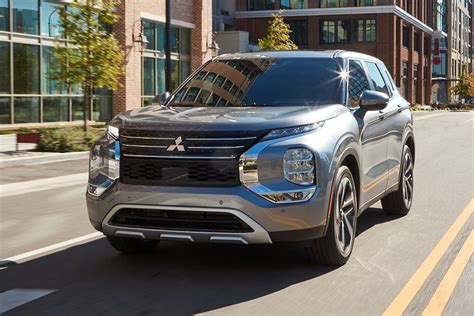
270 222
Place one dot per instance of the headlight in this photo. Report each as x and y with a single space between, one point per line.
299 166
277 133
104 164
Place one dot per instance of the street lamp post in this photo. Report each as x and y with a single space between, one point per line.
168 46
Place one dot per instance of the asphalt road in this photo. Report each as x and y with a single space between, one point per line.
392 256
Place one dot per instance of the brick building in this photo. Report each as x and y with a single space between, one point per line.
28 29
398 32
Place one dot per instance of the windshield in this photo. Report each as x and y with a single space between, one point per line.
264 82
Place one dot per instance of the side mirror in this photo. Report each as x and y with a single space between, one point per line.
373 100
161 99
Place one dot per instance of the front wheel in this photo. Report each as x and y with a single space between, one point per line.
132 245
399 202
336 247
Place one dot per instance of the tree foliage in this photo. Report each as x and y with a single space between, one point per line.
92 58
464 86
278 35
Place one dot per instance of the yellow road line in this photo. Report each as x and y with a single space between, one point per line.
446 287
401 301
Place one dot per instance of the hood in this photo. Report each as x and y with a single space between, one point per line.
224 118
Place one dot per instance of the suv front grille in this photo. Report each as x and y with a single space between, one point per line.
168 172
180 220
170 158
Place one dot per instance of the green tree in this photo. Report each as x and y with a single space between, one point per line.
278 35
464 85
92 58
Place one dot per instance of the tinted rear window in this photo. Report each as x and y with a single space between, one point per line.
264 82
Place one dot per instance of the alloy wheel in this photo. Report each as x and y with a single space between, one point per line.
407 179
345 215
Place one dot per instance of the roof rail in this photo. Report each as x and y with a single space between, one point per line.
336 52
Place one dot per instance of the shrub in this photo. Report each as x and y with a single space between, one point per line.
68 139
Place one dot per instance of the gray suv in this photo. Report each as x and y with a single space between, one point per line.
264 148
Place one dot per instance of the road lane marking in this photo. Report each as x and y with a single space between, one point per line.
16 297
411 288
469 120
448 283
17 188
51 249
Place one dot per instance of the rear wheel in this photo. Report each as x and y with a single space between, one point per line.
336 247
399 202
132 245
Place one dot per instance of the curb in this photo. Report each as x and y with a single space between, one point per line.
52 157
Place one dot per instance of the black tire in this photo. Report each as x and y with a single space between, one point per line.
132 245
333 249
399 202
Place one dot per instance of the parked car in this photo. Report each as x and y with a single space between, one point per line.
265 147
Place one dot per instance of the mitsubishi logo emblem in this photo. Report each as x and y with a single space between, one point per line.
177 145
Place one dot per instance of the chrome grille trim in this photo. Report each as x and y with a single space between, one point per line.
223 139
147 137
144 146
215 147
179 157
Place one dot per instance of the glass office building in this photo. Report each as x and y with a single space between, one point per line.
28 30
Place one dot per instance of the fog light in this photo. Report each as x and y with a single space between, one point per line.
299 166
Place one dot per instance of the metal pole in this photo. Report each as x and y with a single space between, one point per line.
168 46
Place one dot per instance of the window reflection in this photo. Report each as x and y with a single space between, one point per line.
4 67
50 22
26 68
26 110
5 110
4 16
55 109
49 61
25 16
262 81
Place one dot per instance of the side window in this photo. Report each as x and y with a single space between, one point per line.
358 82
387 78
376 77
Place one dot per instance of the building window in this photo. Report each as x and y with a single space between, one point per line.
294 4
299 34
4 15
404 79
335 31
406 36
149 30
366 30
415 81
5 110
333 3
416 40
50 22
4 67
153 62
253 5
26 110
366 3
49 85
55 109
149 76
25 16
26 68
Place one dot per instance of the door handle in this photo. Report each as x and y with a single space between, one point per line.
381 115
399 107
